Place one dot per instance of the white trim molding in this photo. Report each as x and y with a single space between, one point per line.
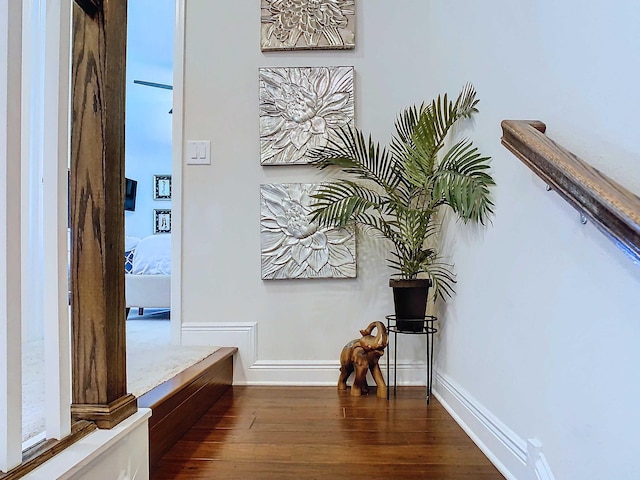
322 372
177 134
407 374
243 335
537 466
11 249
514 457
293 372
248 370
55 163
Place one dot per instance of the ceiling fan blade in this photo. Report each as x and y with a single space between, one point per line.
154 84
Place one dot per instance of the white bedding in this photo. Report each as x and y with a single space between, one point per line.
148 284
152 255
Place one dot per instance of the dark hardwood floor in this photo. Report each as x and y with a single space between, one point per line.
319 433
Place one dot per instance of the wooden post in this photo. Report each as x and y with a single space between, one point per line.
97 214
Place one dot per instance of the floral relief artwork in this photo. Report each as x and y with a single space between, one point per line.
307 24
301 108
292 246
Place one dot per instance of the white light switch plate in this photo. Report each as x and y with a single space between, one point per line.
198 152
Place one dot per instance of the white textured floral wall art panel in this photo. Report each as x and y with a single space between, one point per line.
292 246
307 24
301 108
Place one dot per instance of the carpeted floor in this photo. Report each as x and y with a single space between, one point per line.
151 360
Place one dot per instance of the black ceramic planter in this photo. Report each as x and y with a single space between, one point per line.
410 301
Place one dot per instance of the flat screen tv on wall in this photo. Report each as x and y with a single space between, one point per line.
130 190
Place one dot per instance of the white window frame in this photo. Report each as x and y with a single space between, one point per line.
177 140
57 331
34 132
10 233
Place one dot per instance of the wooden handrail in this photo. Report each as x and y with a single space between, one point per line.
613 208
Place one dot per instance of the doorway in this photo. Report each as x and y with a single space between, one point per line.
149 158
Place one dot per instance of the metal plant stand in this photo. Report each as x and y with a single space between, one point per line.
419 326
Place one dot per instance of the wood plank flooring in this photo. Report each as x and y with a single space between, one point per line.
319 433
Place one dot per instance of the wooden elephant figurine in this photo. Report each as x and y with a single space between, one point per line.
361 355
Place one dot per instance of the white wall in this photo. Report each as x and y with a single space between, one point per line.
543 333
301 324
541 338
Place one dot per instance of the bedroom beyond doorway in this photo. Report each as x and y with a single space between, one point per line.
148 152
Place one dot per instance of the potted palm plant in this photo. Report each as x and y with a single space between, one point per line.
399 190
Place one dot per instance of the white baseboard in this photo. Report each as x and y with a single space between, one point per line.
243 335
320 372
286 372
514 457
248 370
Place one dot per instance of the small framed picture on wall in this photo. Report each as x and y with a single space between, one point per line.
162 187
161 221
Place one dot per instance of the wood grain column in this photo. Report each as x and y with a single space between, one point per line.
97 213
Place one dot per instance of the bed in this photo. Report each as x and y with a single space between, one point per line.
148 272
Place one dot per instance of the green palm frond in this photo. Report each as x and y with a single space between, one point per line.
359 157
396 191
463 182
442 278
414 225
466 103
431 131
405 125
339 203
